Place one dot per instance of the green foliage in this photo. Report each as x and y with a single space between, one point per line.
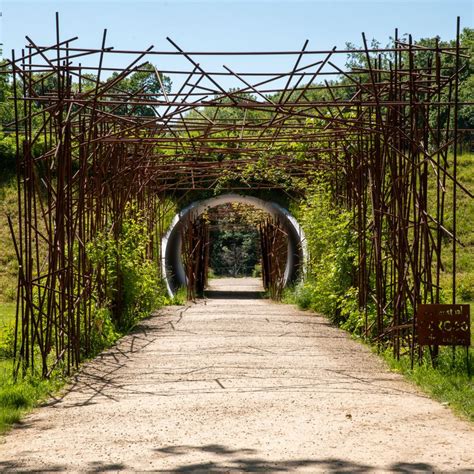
353 317
257 271
327 287
226 113
180 297
104 333
6 92
17 397
426 59
7 342
447 382
8 260
234 253
133 288
147 80
7 155
7 329
235 243
465 288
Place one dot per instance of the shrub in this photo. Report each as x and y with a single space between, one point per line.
257 271
104 333
133 286
331 251
180 297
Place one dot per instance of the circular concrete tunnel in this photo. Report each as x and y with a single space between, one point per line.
172 264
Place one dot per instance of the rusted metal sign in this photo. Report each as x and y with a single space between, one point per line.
444 324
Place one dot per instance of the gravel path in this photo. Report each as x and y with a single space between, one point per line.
236 384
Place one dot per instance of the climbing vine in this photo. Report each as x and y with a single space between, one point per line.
133 287
328 285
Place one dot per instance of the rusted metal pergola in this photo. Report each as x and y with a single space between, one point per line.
382 135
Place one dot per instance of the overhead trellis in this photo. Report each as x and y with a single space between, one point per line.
90 140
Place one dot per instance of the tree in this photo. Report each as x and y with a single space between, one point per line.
426 60
235 244
145 84
234 253
6 92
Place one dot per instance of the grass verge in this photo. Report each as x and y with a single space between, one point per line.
447 382
17 398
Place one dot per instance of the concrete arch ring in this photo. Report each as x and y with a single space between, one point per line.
171 261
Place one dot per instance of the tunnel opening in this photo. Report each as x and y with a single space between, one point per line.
235 249
236 237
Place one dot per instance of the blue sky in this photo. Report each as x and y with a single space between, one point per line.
228 25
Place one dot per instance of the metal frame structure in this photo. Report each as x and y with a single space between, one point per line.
84 151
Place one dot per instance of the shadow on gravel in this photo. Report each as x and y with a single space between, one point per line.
233 295
98 466
244 460
97 379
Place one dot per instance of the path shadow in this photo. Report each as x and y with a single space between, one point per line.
231 460
233 295
97 466
249 460
97 378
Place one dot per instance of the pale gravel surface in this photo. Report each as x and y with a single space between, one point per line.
239 385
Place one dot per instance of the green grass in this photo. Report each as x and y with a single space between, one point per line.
465 233
8 260
180 297
17 398
7 326
447 383
7 317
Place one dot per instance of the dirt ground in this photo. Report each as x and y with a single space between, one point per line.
235 384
